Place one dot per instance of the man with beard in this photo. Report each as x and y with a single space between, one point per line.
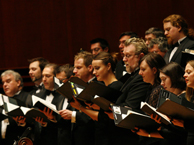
134 89
36 67
179 36
120 67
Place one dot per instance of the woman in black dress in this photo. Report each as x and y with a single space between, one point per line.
189 78
150 66
104 66
172 80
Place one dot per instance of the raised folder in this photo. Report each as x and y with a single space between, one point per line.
95 88
151 110
127 118
94 92
41 104
30 113
67 89
175 106
175 110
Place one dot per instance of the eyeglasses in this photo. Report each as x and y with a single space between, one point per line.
129 55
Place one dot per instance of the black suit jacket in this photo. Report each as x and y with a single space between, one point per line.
49 134
64 130
186 43
134 91
119 69
83 131
14 131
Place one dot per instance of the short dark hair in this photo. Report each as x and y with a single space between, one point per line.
155 31
42 62
129 33
54 66
67 68
157 61
103 42
175 72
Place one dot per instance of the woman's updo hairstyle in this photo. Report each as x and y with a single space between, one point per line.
107 58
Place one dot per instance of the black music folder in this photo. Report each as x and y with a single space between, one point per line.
41 104
175 110
151 110
97 89
175 106
127 118
187 55
102 102
30 113
73 87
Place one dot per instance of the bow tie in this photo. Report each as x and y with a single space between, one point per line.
48 92
38 87
175 45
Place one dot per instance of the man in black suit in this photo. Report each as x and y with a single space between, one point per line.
82 125
120 67
134 89
179 37
36 66
63 73
12 86
49 131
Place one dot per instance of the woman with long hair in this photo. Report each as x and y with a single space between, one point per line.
189 78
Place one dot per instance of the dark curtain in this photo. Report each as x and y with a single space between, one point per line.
57 29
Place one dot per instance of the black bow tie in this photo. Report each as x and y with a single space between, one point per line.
175 45
48 92
38 87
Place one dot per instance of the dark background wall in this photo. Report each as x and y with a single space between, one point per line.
57 29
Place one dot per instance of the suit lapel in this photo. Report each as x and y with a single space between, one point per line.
179 50
129 80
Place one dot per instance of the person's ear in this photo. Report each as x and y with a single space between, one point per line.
106 49
179 28
141 55
18 83
109 66
154 70
90 68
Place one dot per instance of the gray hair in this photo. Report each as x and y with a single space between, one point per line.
162 44
16 76
155 31
139 44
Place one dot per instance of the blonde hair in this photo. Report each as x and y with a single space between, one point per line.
86 56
